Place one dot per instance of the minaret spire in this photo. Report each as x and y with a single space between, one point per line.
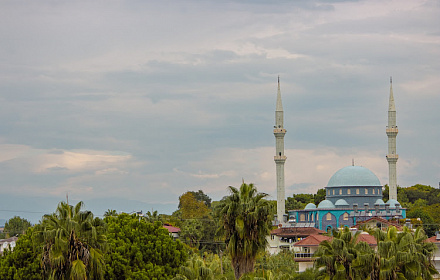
279 157
392 156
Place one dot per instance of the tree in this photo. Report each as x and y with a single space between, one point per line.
244 221
16 226
141 250
24 261
192 232
73 244
319 196
191 208
337 256
152 216
110 213
427 220
403 255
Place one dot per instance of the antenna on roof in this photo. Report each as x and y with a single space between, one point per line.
352 162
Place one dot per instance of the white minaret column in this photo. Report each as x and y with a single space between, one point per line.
392 156
279 157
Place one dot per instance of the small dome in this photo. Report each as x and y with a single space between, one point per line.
310 206
354 176
326 204
392 202
380 202
341 202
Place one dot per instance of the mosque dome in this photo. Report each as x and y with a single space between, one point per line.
326 204
310 206
341 202
392 203
380 202
354 176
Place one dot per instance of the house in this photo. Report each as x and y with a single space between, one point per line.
436 258
306 248
377 222
173 231
8 243
283 238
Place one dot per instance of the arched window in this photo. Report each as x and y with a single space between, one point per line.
302 217
333 192
373 191
345 216
366 191
329 216
340 191
313 217
357 191
348 191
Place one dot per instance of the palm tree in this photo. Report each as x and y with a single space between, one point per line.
110 213
244 221
73 244
336 258
403 255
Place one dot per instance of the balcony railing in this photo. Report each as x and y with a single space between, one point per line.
303 255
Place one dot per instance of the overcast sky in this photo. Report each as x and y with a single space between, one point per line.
141 101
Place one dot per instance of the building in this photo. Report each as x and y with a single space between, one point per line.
173 231
436 258
7 244
353 193
307 247
283 238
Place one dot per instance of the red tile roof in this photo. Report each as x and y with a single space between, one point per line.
378 219
367 238
296 231
433 239
312 240
171 229
316 239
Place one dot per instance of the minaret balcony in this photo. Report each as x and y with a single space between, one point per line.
392 157
392 130
279 131
280 158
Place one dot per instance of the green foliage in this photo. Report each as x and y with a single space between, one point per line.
110 213
244 221
279 266
73 243
24 261
403 255
427 221
141 250
191 208
299 201
16 226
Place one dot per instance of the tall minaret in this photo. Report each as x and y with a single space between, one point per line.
392 156
279 157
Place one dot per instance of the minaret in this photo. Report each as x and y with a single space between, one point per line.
279 157
392 156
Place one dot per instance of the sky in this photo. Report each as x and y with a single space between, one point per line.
126 105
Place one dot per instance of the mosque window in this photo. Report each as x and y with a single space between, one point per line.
302 218
333 192
373 191
328 192
378 191
345 216
313 217
348 191
329 216
317 217
340 191
366 191
357 191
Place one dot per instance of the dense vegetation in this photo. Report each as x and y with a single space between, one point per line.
74 244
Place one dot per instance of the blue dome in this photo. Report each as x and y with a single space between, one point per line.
326 204
310 206
354 176
341 202
392 203
380 202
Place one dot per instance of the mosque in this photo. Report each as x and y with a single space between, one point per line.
353 193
